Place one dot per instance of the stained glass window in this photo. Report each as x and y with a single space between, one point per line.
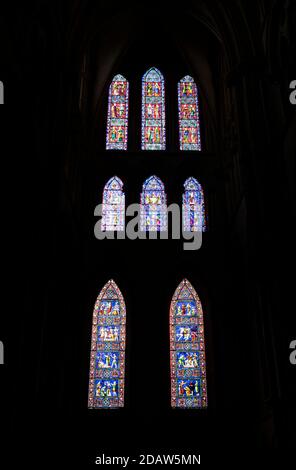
153 206
113 206
189 124
107 360
117 121
187 349
194 219
153 111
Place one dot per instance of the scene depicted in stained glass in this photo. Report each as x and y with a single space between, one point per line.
187 349
113 209
194 218
107 359
189 123
153 206
117 120
153 111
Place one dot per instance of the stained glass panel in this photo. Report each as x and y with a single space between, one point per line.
113 206
107 359
194 219
153 206
153 111
189 124
187 349
117 121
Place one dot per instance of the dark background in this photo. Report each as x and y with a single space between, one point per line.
57 60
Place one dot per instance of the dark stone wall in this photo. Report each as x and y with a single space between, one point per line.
57 62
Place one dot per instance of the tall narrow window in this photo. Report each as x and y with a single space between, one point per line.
187 349
107 360
153 206
189 124
153 111
117 121
113 206
194 219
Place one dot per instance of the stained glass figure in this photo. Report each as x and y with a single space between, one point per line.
153 206
189 123
194 219
117 120
153 110
113 210
107 359
187 349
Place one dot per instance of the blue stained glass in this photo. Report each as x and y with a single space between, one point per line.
187 349
117 121
113 211
186 333
188 388
153 111
189 125
153 206
107 359
194 217
187 360
106 388
187 309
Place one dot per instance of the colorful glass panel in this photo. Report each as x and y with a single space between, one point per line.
189 123
194 219
107 359
187 349
113 206
153 206
117 120
153 111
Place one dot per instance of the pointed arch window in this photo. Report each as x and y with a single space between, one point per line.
107 359
153 206
113 210
117 120
187 349
194 218
153 110
189 123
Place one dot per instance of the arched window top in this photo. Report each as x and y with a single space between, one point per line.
117 120
111 292
118 78
153 75
189 123
187 349
191 184
184 291
153 183
107 360
187 78
153 110
114 184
